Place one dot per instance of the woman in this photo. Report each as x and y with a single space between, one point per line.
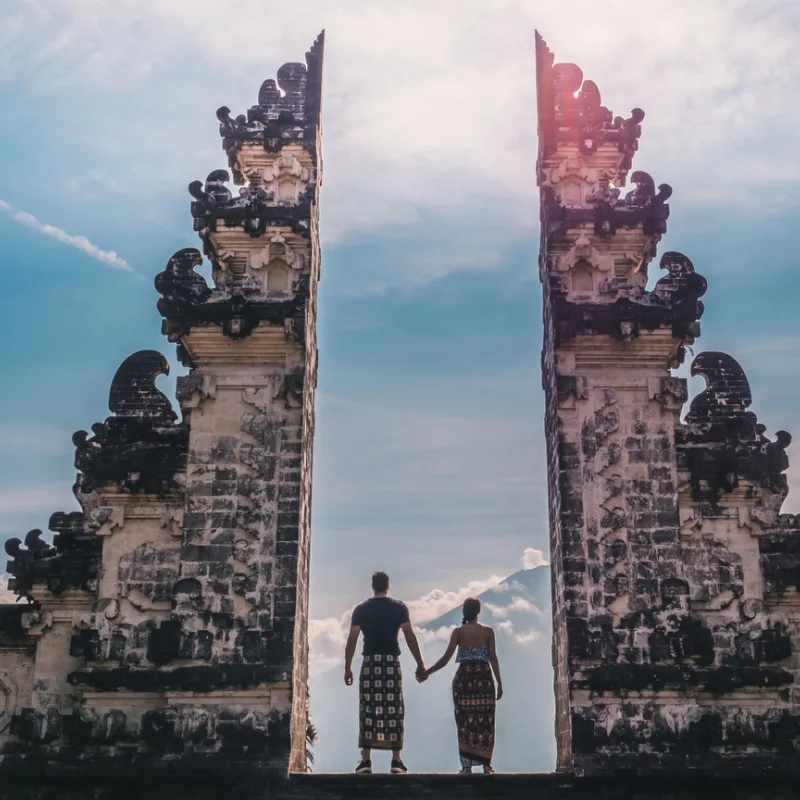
473 687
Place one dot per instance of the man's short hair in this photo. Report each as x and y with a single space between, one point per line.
380 582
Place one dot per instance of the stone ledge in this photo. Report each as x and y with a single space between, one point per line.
531 786
538 786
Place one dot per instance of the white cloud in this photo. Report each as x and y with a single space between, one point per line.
438 602
533 557
523 606
529 637
427 637
327 638
6 595
506 626
80 242
501 612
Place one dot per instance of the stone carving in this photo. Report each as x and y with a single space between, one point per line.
147 574
181 287
780 556
645 194
291 391
278 250
187 302
582 252
191 390
680 291
287 111
71 562
8 700
141 448
570 110
284 180
643 206
674 303
253 210
722 442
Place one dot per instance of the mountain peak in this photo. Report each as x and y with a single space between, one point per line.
526 591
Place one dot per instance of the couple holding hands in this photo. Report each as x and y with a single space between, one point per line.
381 708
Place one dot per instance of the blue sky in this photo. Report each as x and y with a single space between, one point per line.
429 443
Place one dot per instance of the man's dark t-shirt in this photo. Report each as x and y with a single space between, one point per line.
380 619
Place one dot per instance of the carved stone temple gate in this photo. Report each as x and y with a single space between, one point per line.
170 614
675 577
164 648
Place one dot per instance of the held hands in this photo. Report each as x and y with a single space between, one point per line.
422 674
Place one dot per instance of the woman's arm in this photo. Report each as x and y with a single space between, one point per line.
448 654
495 664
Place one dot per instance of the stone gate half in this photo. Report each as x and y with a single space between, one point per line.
675 577
167 628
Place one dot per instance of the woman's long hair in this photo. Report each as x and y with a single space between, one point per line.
470 610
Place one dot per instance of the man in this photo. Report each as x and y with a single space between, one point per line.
381 709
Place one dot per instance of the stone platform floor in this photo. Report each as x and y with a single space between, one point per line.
217 785
536 786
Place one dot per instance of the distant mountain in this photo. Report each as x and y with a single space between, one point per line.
519 610
532 585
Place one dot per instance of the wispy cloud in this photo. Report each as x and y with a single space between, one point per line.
79 242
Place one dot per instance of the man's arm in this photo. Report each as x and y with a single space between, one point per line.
413 645
349 652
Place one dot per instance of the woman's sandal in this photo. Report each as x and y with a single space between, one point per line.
465 771
487 769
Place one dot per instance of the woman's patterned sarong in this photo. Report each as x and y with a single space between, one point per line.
474 699
381 709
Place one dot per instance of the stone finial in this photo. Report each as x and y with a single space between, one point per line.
71 562
287 111
253 209
133 390
188 302
722 442
141 448
570 110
